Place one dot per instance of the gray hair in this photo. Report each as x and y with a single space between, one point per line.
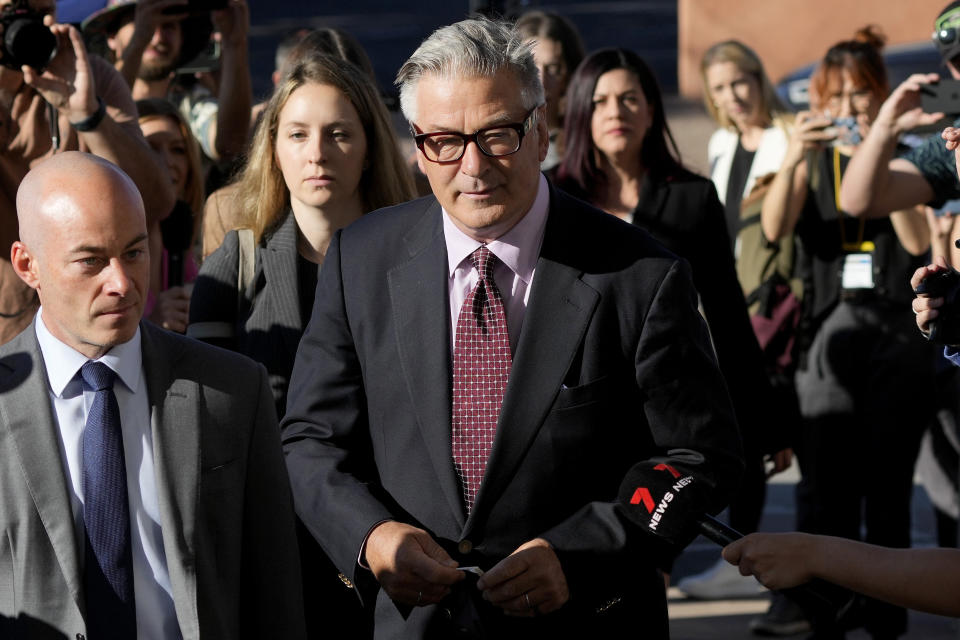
478 47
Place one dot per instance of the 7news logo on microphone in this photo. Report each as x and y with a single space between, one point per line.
643 496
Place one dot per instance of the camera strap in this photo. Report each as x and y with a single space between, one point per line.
53 118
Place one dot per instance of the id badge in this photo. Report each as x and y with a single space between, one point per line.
857 271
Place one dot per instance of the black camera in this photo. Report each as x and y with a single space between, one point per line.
943 284
26 40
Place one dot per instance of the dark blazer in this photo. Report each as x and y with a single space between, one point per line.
269 324
267 327
225 508
684 213
613 366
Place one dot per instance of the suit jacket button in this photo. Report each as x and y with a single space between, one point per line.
465 547
347 582
447 613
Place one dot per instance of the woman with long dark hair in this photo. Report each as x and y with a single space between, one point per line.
622 157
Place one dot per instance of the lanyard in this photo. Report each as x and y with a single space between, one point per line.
859 245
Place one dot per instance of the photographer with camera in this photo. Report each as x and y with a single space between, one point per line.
150 39
73 101
859 364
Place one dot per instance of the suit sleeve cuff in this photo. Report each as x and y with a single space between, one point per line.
362 556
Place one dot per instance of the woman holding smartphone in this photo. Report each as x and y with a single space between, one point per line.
864 368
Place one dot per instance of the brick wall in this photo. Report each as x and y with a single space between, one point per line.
790 33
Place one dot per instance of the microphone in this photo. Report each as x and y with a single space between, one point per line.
665 501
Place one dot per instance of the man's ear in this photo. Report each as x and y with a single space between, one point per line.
25 264
420 161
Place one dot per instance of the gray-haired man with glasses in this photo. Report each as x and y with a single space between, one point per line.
481 369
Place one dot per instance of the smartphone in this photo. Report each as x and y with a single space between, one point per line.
206 61
848 132
950 207
944 96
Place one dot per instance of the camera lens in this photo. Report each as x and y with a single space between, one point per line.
30 42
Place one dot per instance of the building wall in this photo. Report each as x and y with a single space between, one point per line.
790 33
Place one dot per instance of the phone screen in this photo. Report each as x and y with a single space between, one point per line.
944 96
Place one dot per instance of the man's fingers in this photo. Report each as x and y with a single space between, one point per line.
527 582
433 564
436 552
79 49
731 552
505 570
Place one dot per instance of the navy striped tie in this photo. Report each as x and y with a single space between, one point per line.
108 569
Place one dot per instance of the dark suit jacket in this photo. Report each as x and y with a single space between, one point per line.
268 329
269 325
684 213
613 366
224 497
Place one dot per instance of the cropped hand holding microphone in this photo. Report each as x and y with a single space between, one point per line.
945 283
670 503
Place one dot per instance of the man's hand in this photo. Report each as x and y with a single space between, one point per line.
779 461
232 23
923 306
67 82
777 560
902 110
810 131
952 137
528 582
409 565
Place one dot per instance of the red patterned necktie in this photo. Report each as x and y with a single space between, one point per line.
481 368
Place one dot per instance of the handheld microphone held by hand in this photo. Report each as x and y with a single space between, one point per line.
670 503
945 329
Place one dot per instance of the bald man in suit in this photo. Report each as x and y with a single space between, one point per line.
198 538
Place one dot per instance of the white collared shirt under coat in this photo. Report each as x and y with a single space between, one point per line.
156 617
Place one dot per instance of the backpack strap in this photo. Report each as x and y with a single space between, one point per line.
245 266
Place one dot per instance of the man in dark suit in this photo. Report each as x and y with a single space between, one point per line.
143 487
483 367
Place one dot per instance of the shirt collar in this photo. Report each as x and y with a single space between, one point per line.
518 248
62 362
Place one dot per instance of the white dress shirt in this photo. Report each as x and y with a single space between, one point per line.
156 617
517 250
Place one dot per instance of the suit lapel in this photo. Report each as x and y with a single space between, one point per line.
421 314
175 425
26 412
558 312
280 270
